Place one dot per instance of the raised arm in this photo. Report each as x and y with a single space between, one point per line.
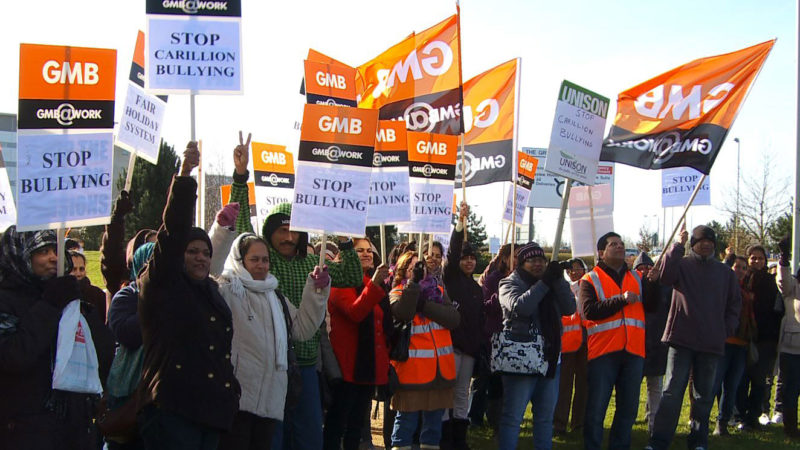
239 192
112 248
347 272
167 259
451 268
672 259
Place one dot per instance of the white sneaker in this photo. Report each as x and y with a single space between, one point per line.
763 419
777 418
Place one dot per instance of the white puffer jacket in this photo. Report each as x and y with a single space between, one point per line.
790 327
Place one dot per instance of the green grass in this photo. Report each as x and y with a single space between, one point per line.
772 438
93 268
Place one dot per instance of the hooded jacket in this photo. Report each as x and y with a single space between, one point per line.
790 331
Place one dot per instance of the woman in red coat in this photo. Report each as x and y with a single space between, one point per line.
360 322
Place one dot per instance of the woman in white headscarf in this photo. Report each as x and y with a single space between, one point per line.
260 350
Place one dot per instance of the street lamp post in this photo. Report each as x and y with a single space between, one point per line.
736 219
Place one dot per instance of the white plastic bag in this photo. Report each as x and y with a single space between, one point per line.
76 367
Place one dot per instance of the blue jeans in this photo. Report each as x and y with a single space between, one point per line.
405 423
620 370
729 374
518 390
790 368
302 425
680 362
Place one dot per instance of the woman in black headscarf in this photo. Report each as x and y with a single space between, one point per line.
32 414
189 393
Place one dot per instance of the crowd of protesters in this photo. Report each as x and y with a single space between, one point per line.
237 340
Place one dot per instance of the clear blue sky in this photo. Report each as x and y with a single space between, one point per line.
604 46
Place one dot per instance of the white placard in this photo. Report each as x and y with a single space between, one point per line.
330 199
8 211
521 205
548 188
63 180
140 123
590 216
431 206
677 185
389 196
577 135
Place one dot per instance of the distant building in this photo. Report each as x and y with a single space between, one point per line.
8 142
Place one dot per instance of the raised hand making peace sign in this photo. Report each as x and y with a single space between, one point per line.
241 154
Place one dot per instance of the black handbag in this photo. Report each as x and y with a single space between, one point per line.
401 339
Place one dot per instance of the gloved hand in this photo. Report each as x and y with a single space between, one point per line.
123 205
419 272
61 290
785 246
381 273
321 277
552 272
226 217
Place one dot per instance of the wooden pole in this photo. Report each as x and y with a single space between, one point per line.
60 244
683 216
561 217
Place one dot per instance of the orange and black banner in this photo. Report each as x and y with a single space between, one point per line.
489 117
680 118
432 156
338 135
391 144
273 166
66 87
418 81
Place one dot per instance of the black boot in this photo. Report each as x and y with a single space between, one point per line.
721 429
790 424
446 442
460 427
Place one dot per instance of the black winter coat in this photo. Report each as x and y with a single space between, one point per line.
467 297
764 288
27 355
186 327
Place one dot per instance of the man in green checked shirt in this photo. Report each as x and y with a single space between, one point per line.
291 264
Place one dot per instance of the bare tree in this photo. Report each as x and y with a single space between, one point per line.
762 201
214 179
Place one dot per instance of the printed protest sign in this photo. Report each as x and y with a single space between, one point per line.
143 114
194 47
526 171
577 133
273 172
8 211
431 169
494 245
334 163
591 215
677 185
330 84
64 137
548 189
388 189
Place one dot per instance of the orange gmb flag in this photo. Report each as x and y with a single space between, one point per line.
681 117
431 155
417 80
489 121
66 87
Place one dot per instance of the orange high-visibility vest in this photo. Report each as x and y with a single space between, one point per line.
623 330
571 333
430 356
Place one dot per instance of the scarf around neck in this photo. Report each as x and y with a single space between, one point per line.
241 282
